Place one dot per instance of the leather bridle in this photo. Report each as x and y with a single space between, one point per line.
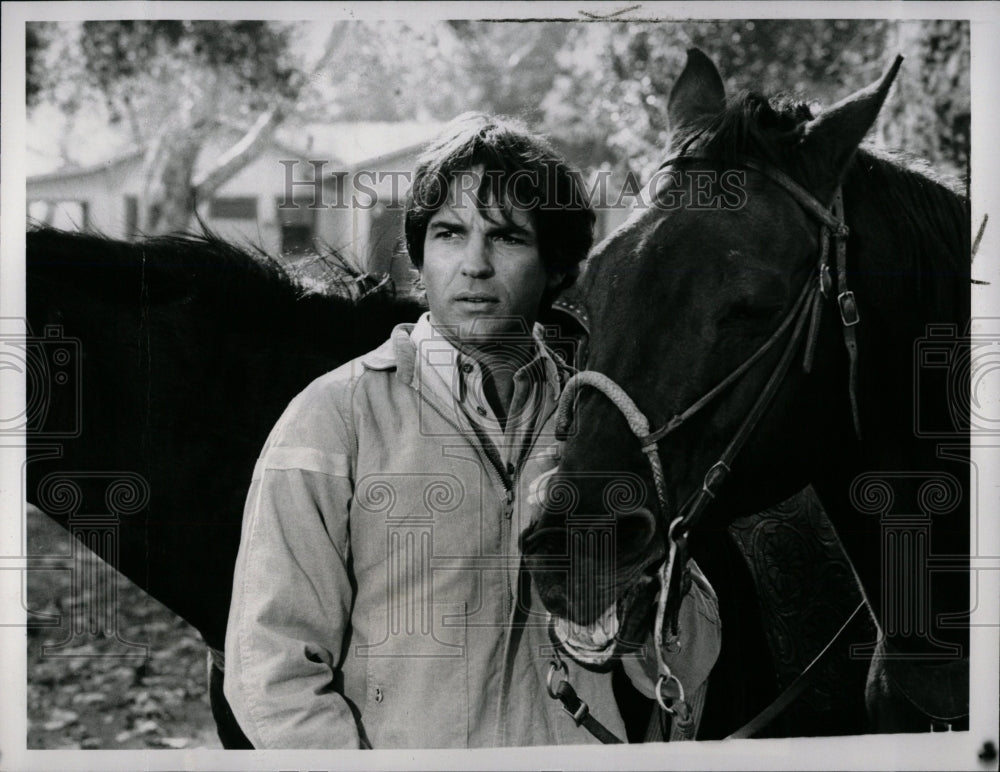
799 325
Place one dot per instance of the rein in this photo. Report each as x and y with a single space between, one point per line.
803 319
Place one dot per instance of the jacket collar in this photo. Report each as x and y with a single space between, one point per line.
399 353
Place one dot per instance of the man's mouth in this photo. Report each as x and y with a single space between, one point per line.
476 298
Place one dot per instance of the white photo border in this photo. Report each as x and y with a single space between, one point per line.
924 751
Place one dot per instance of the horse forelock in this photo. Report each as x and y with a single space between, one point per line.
750 126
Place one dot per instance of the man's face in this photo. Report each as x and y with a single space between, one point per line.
483 274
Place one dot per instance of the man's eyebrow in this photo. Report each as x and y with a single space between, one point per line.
507 227
451 224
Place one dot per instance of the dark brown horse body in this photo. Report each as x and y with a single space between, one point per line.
708 282
184 352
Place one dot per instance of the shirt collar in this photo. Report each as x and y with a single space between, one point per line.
444 368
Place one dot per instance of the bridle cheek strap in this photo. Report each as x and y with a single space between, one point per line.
833 228
849 315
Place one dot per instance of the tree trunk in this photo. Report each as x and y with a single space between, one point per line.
171 191
168 198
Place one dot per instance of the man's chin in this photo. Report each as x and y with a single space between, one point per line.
491 328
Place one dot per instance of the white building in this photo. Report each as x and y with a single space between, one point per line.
273 202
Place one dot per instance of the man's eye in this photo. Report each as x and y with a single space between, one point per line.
444 235
509 238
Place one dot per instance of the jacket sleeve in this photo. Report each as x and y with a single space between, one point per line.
291 602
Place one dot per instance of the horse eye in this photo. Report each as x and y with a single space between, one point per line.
756 297
755 310
758 306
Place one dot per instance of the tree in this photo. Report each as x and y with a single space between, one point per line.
407 70
610 93
173 83
599 89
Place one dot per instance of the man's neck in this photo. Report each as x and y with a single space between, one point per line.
499 362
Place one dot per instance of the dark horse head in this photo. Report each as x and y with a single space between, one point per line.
714 287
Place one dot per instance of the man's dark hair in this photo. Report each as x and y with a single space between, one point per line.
520 171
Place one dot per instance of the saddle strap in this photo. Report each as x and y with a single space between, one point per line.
795 688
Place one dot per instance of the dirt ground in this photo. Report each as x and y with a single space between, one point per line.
144 687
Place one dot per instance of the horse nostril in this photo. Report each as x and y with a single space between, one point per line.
638 527
535 539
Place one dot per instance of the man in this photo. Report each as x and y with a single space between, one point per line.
379 599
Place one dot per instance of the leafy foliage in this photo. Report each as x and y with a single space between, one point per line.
600 89
125 60
34 46
614 79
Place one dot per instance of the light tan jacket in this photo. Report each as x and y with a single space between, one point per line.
378 577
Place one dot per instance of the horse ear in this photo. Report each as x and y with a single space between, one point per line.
697 95
832 137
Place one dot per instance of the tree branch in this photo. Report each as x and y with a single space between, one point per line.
234 159
263 129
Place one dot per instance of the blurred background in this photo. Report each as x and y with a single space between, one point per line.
147 127
136 125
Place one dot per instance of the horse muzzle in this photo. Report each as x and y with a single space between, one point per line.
582 566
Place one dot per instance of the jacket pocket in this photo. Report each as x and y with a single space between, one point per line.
417 685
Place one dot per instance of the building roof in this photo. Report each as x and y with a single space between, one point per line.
82 171
349 144
357 142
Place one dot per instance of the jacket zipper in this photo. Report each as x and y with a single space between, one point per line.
499 477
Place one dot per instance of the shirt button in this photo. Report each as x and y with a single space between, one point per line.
378 695
481 410
467 367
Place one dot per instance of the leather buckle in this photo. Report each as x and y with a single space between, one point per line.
714 477
580 714
849 314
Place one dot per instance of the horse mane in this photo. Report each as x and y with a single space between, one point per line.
172 264
930 234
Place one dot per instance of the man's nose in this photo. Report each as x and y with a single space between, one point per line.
477 260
